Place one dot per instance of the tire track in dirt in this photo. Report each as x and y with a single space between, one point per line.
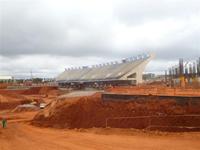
22 136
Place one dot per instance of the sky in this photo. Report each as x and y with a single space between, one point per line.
47 36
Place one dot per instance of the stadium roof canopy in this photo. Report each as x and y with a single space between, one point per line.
127 69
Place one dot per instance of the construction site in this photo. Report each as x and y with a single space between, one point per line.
106 106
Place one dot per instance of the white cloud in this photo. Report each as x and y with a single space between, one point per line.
44 65
78 32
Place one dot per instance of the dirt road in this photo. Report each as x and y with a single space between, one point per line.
20 135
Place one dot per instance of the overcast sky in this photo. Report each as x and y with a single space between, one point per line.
46 36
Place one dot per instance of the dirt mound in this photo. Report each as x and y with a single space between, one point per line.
11 100
13 93
41 90
91 111
13 104
3 85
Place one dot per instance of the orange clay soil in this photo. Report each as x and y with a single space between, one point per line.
9 99
86 112
91 111
20 135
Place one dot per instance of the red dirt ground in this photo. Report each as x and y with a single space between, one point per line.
90 111
20 135
40 90
9 99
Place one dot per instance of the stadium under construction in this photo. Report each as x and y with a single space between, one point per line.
186 73
125 72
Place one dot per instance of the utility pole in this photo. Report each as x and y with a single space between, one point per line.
31 75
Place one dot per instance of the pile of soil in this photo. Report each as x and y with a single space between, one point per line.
11 92
11 100
41 90
3 85
91 111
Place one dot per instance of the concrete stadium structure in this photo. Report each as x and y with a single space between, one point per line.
126 72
